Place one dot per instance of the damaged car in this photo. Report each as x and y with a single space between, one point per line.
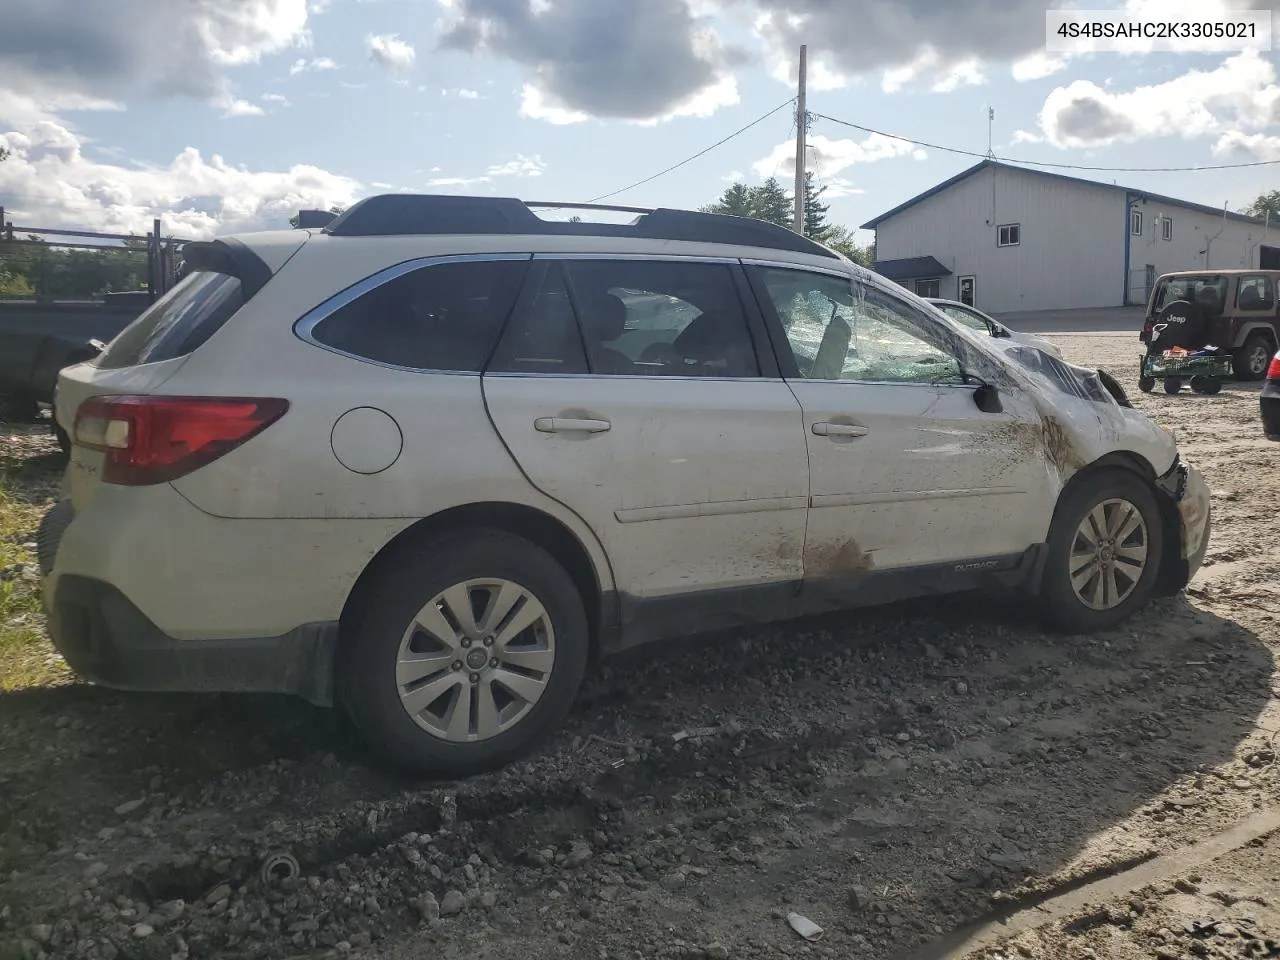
432 460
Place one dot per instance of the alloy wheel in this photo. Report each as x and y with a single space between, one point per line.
475 660
1109 553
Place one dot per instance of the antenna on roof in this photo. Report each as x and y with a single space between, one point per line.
991 116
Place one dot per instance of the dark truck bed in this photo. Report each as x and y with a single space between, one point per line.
38 338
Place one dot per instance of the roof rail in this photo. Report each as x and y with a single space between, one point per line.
441 214
315 219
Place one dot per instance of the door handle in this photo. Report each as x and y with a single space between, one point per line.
824 428
569 425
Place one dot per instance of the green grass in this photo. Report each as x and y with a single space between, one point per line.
27 659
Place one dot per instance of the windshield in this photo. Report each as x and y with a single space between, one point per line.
967 317
1206 289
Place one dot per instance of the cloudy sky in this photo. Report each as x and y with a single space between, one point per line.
222 115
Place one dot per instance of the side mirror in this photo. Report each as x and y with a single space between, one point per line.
987 399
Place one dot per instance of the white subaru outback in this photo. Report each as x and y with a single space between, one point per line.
431 459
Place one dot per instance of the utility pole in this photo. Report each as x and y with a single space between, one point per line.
802 122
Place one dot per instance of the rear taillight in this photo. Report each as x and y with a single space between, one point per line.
150 440
1273 371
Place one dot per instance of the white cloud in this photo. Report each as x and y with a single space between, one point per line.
830 157
240 108
389 51
703 103
460 93
536 105
838 187
49 179
1037 66
784 64
967 73
734 176
275 98
315 64
1024 136
1249 147
1240 94
521 166
243 33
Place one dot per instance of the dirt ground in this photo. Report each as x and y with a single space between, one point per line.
893 776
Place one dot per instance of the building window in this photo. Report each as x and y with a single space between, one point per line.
1008 235
1166 228
1135 222
927 288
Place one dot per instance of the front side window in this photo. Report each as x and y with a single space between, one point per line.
927 288
1008 235
1255 293
440 316
655 318
839 329
1166 228
1135 222
177 323
966 317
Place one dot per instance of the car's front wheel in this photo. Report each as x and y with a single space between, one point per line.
1105 547
468 652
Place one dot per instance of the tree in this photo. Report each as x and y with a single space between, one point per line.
1265 203
774 204
815 211
768 201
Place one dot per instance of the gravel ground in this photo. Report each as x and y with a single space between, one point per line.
890 775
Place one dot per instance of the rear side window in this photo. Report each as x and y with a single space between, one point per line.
1255 293
177 323
441 316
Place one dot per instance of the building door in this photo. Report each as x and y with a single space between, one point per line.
969 291
1269 258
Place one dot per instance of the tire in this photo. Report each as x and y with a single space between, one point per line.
1103 495
415 578
1250 361
1146 384
1206 385
1172 384
64 441
18 408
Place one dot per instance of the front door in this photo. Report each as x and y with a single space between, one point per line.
630 390
905 469
969 291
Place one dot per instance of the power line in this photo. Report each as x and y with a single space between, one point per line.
700 153
1043 163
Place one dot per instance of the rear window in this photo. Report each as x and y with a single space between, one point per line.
1208 291
177 323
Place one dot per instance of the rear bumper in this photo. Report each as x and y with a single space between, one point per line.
1269 404
108 640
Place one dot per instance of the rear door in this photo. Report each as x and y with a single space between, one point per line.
631 390
905 469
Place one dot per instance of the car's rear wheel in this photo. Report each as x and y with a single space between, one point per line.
1146 384
465 655
1250 361
1104 549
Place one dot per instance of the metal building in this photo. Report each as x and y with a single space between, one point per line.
1008 239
